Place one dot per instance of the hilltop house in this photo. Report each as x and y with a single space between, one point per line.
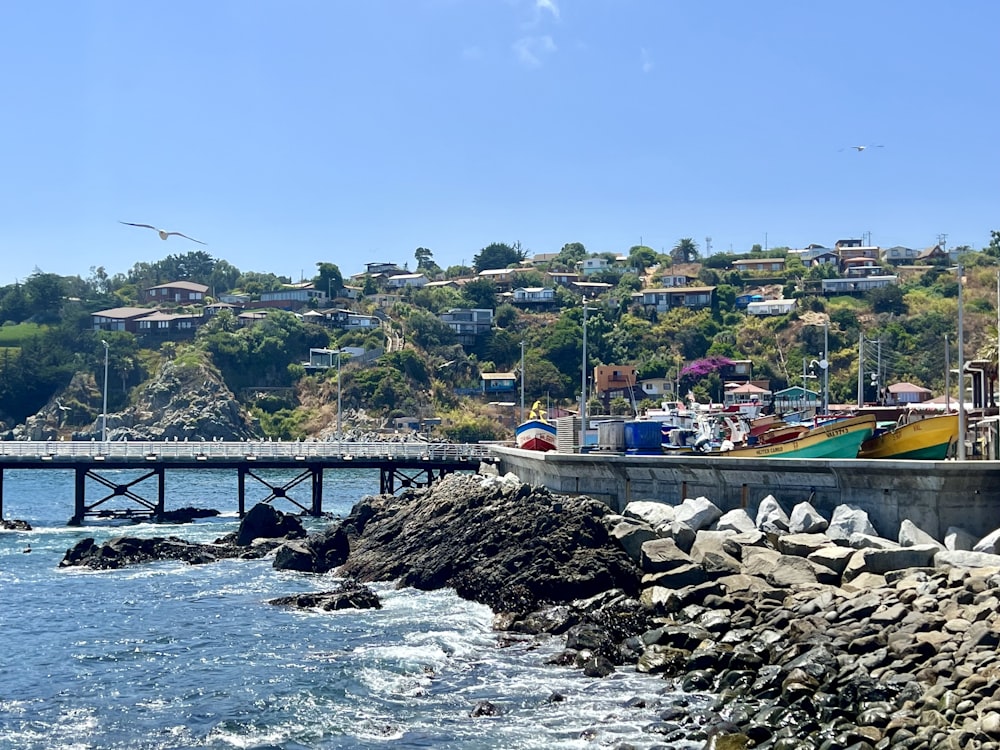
175 293
662 299
771 307
468 323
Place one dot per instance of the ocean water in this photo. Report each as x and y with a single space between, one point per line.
170 655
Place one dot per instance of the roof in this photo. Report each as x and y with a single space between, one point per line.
497 271
498 376
124 313
190 286
679 289
748 388
160 315
907 388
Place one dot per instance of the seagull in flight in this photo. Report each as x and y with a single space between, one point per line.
859 149
163 233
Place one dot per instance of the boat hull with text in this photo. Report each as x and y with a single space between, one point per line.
535 435
924 439
841 438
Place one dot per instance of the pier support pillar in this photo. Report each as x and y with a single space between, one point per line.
79 495
317 491
241 489
1 493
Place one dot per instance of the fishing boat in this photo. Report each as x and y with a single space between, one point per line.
536 433
837 439
929 439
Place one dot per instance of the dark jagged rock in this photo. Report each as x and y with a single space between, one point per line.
494 540
265 522
14 525
318 553
348 595
185 515
126 551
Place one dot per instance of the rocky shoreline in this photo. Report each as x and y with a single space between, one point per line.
810 632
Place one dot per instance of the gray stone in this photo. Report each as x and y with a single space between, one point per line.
805 519
698 513
736 520
681 533
802 545
770 516
958 539
848 520
833 557
910 534
989 543
790 571
708 551
881 561
654 513
658 555
676 578
631 534
869 541
758 561
966 559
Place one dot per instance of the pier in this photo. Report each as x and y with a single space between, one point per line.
399 464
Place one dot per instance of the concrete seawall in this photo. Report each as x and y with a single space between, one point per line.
932 494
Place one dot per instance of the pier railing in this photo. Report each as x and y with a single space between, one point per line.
241 450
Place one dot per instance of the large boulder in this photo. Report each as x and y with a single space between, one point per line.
348 595
508 545
263 521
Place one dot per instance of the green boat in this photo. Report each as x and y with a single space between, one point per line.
840 438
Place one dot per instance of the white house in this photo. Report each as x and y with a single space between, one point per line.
533 295
415 280
771 307
850 286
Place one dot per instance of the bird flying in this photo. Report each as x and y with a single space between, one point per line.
859 149
163 233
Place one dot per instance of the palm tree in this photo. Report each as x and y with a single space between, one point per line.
685 251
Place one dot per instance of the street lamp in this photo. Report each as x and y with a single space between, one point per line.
339 391
521 419
104 410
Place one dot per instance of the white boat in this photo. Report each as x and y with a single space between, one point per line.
536 433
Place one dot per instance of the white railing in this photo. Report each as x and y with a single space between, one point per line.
252 450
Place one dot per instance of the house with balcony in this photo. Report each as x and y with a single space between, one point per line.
657 388
738 370
897 255
175 293
907 393
759 265
769 307
676 279
293 297
663 299
406 280
816 255
856 267
796 399
590 266
747 393
563 278
858 285
496 383
934 255
349 320
168 325
468 323
119 319
533 296
614 377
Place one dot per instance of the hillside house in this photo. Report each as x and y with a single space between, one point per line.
168 325
900 256
856 267
759 265
468 323
293 296
498 382
590 289
590 266
857 286
662 299
817 256
535 296
771 307
349 320
907 393
563 278
404 280
671 280
747 393
933 256
656 388
796 399
119 319
738 370
614 378
175 293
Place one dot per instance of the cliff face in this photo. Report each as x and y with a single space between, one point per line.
186 399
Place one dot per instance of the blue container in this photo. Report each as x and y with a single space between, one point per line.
643 436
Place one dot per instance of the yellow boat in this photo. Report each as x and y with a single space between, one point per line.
839 438
928 439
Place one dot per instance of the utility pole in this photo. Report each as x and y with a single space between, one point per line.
522 383
962 427
340 390
583 381
861 369
104 409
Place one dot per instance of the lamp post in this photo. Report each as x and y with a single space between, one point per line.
583 381
104 409
339 390
960 449
521 419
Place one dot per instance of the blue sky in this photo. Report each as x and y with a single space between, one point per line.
288 133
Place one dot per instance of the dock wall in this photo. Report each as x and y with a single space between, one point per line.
934 495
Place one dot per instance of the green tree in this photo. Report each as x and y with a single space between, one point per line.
571 254
498 255
425 262
685 251
328 279
480 293
641 257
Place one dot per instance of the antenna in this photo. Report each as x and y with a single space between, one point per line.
708 246
943 241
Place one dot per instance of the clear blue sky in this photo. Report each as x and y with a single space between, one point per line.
287 133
